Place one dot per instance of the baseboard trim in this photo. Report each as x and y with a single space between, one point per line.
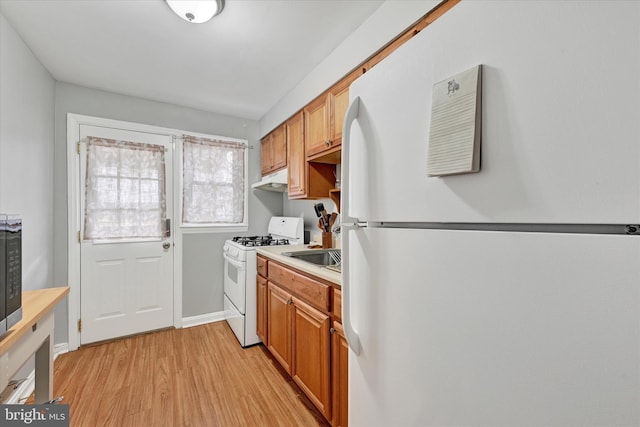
59 349
26 388
201 319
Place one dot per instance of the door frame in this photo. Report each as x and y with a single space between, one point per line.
74 217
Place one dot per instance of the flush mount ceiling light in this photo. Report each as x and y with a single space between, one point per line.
196 11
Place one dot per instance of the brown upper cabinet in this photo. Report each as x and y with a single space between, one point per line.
323 119
273 154
388 49
339 104
410 32
296 161
307 180
310 142
316 120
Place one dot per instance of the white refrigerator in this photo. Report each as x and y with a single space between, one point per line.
510 296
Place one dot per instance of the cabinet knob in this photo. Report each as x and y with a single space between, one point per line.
332 331
290 301
327 142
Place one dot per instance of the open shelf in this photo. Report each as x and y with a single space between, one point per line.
334 194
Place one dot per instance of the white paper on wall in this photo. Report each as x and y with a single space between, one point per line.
456 124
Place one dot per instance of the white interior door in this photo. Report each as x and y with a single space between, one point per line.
126 241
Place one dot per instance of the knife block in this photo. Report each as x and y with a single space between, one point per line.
327 240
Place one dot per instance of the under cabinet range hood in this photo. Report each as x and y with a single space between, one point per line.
276 181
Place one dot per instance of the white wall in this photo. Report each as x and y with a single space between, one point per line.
391 19
202 253
26 156
26 153
304 209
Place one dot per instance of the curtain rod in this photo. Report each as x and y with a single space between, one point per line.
246 146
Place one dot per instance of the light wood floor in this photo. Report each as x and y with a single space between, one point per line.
198 376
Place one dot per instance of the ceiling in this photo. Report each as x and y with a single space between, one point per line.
240 63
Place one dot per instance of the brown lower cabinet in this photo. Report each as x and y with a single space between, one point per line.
339 376
279 325
308 342
311 354
261 320
299 338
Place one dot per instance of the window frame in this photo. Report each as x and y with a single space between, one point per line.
187 228
162 181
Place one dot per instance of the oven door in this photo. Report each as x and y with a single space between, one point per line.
235 279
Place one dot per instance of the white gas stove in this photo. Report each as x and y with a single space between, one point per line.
240 271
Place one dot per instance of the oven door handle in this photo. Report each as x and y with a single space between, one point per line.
237 264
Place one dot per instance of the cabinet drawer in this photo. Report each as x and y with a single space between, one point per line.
313 292
262 266
336 305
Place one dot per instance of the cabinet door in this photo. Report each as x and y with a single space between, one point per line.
296 161
273 151
316 126
311 354
263 266
336 305
261 303
266 155
338 104
339 377
278 149
279 325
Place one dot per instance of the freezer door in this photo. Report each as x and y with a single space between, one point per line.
560 117
494 329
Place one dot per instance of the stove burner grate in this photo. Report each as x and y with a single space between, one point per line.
259 241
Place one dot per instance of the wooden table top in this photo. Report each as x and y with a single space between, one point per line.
35 305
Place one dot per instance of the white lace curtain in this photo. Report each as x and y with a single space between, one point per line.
213 181
125 193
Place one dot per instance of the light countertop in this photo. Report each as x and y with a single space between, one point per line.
35 305
275 253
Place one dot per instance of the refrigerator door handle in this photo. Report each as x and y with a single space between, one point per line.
350 116
348 224
352 336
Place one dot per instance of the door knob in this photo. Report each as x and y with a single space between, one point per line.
166 246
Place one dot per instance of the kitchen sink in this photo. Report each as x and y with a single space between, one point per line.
329 258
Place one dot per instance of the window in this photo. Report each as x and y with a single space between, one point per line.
124 190
214 185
